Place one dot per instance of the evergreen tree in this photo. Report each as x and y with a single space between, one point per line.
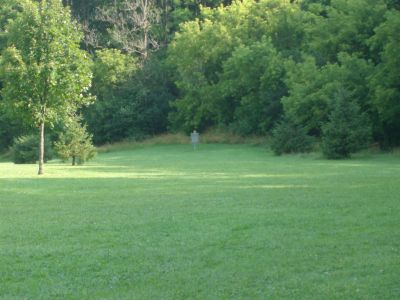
289 137
75 143
347 130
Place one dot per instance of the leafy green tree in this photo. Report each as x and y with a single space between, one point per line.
111 70
223 37
347 130
386 77
8 10
9 127
45 74
177 12
342 26
393 4
308 4
145 99
132 98
312 88
75 143
250 92
196 64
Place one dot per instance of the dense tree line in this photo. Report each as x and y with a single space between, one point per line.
248 64
244 66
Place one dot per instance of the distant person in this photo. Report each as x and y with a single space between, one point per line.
195 138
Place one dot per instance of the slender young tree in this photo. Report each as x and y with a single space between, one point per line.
75 143
45 74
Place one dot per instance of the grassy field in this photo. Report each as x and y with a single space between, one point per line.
223 222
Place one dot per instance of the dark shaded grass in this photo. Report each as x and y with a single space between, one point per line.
223 222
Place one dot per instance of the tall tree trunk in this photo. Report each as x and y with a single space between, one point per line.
146 29
41 149
146 45
73 160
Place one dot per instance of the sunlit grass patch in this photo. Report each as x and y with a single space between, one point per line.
221 222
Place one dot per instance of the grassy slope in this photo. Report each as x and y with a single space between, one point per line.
224 222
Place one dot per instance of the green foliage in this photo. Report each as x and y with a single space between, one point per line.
312 88
111 69
347 130
9 129
342 26
238 65
324 45
196 65
386 77
289 137
75 143
227 65
45 74
8 11
25 150
250 92
86 8
132 102
146 97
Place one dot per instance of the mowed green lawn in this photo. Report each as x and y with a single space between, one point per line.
222 222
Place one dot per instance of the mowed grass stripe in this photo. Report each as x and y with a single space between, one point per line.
222 222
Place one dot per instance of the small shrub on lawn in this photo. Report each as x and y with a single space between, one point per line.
25 150
288 137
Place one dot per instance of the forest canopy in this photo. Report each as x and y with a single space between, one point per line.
242 66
